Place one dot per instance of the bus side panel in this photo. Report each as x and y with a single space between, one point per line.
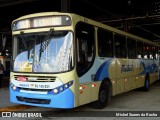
86 92
103 68
153 71
95 90
128 84
91 81
113 75
121 74
130 75
151 67
107 71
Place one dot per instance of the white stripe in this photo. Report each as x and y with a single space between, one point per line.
34 92
29 84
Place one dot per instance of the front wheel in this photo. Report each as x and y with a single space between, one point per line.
104 96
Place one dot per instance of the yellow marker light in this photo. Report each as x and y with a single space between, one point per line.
70 83
113 82
82 87
94 85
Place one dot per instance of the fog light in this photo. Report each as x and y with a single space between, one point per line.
70 82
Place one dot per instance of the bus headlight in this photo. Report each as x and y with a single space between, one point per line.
61 88
14 87
66 85
55 91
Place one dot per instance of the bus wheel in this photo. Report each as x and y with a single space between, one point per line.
104 96
146 84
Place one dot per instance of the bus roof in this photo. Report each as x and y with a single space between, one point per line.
89 21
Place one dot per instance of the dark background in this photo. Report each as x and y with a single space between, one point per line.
140 17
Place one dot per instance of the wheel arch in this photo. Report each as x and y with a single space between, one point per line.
147 83
107 81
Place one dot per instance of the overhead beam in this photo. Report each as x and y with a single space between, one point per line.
65 5
131 18
10 3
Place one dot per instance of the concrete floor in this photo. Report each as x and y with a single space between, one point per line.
128 102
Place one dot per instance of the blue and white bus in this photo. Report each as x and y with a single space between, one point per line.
64 60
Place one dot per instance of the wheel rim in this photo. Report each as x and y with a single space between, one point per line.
103 96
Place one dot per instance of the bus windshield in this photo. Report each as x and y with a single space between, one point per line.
50 52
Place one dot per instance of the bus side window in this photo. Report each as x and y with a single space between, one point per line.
105 43
83 48
139 50
131 48
156 51
120 46
146 51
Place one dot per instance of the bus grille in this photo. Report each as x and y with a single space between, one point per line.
33 100
37 78
36 90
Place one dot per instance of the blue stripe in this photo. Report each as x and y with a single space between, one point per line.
148 69
102 72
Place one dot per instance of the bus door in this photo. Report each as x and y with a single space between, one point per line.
85 60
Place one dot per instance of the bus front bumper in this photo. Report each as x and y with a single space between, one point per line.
64 99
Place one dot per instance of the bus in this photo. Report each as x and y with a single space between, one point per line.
64 60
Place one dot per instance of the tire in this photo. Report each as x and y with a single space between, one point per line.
146 84
104 96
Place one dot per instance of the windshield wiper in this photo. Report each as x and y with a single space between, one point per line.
31 48
46 43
